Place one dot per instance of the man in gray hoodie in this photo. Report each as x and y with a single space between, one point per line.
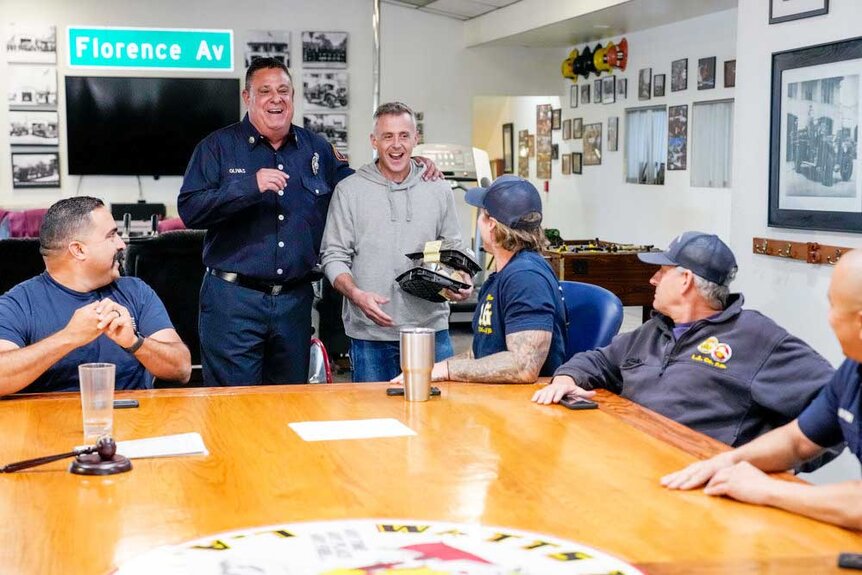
379 214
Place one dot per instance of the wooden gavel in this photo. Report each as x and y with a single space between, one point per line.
106 447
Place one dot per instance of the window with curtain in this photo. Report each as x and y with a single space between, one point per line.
711 144
646 145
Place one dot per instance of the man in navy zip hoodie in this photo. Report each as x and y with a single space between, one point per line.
701 360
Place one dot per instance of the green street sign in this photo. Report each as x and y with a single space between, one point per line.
150 48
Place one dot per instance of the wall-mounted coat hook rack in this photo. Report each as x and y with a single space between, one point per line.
810 252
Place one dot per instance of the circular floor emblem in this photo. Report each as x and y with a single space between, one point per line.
377 547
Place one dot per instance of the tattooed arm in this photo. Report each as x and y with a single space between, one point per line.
525 354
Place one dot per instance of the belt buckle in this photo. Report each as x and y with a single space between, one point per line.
275 290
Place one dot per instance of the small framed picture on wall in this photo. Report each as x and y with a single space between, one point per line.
597 92
573 96
35 170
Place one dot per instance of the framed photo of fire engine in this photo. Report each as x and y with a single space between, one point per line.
814 138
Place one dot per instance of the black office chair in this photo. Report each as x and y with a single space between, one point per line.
171 264
19 260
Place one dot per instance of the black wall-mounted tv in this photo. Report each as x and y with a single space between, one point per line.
143 126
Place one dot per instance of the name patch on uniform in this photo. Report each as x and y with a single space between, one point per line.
236 170
845 415
713 352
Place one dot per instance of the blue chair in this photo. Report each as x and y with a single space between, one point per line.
594 313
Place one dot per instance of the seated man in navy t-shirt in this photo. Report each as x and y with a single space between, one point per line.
80 311
519 328
833 416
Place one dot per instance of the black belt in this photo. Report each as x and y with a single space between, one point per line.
259 285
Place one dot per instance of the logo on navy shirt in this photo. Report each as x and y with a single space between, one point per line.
236 170
485 315
713 352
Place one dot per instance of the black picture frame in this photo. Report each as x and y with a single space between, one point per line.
35 170
573 96
679 75
577 163
658 85
508 148
556 118
788 16
813 179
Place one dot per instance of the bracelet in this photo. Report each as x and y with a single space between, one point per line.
137 345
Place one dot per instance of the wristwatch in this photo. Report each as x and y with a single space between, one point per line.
139 341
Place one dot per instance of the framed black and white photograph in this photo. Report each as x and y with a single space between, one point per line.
555 151
706 73
593 144
33 129
577 163
333 127
597 91
573 96
567 165
622 88
644 83
585 94
32 87
567 129
609 90
35 170
679 75
677 137
31 43
577 128
324 90
267 44
324 49
613 133
814 138
556 118
730 74
508 148
658 85
786 10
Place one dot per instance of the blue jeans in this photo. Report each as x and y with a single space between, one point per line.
381 360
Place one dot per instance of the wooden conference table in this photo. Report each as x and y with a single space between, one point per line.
483 455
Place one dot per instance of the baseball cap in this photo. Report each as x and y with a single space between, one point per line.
704 254
508 199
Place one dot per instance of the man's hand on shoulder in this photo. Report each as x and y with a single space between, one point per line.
369 303
560 387
432 172
270 179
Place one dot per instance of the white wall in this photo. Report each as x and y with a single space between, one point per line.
424 63
599 202
792 292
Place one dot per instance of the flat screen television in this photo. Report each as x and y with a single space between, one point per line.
143 126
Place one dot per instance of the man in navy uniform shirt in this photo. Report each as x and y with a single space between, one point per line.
834 415
79 310
261 188
519 329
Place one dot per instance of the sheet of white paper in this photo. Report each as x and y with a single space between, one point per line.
350 429
164 446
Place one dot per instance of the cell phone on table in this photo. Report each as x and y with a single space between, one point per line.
400 390
850 560
578 403
125 403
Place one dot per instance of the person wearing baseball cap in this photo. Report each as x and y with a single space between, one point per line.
519 326
701 360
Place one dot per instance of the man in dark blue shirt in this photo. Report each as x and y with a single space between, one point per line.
81 311
261 188
834 415
519 330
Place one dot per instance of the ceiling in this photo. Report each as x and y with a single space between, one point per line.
458 9
622 18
